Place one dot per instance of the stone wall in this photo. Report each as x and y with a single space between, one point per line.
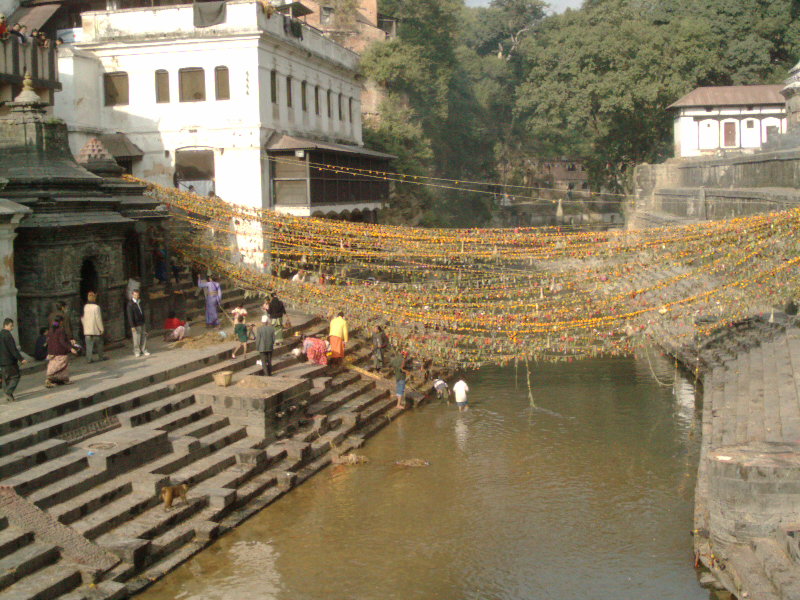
698 189
48 266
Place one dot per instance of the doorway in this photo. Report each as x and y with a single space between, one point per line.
89 279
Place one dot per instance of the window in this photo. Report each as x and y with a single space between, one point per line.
273 86
316 100
326 15
192 84
341 107
303 99
350 110
162 86
772 130
749 123
222 83
330 105
115 88
289 92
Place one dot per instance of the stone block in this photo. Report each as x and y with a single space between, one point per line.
287 480
251 457
219 497
132 551
125 449
205 531
150 484
320 424
296 450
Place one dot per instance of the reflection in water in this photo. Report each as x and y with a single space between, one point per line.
515 505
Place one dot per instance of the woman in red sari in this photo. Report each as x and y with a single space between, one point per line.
316 350
58 351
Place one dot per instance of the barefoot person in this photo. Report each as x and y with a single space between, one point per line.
400 365
460 389
240 331
265 342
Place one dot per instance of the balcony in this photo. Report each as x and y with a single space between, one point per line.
16 59
167 23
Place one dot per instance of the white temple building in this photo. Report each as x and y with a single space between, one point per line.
717 120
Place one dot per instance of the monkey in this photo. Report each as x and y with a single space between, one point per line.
169 492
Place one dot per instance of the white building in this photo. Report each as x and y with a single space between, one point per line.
202 107
711 120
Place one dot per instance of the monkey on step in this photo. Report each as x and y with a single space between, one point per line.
170 492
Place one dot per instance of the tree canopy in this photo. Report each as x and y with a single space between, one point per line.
483 88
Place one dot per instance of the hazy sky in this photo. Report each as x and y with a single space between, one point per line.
557 5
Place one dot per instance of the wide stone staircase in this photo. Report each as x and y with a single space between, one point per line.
81 475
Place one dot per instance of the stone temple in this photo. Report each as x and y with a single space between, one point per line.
65 228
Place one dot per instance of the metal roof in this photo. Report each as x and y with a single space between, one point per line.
732 95
286 142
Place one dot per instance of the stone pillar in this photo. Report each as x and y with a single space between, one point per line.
11 214
792 94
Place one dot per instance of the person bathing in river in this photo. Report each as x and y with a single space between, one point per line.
460 389
442 389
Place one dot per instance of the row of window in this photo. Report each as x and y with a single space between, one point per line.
304 98
191 86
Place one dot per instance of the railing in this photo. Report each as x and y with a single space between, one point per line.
17 59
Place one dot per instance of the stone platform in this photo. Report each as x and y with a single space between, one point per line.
747 509
92 459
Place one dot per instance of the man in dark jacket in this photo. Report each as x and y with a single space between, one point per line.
136 323
276 310
265 342
10 358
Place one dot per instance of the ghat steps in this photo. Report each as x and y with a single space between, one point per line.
169 427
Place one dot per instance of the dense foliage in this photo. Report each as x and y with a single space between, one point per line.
473 91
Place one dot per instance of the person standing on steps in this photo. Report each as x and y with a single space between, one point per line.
60 309
265 342
380 343
338 337
58 351
92 321
10 359
276 311
213 293
240 331
136 323
400 365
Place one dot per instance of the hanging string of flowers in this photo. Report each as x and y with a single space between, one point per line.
469 297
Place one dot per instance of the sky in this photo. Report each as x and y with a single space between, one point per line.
556 5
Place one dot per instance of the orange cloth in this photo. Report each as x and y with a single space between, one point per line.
337 347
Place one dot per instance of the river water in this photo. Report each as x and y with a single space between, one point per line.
587 496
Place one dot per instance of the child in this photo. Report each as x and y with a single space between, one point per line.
442 389
40 349
239 311
240 331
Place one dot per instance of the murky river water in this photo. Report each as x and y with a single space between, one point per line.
516 504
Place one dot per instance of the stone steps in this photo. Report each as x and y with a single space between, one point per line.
173 420
84 504
778 567
32 456
49 472
156 410
153 522
25 561
12 539
45 584
112 496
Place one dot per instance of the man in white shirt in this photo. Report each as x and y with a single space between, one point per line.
460 390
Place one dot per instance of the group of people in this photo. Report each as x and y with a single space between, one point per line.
19 32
